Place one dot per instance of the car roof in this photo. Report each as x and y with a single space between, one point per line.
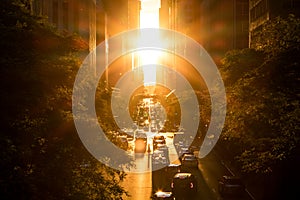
189 155
174 165
183 175
163 194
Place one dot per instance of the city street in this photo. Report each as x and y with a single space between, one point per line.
142 185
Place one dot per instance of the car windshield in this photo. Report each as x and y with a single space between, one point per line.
173 169
159 137
189 157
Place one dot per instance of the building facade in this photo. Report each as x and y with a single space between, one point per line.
225 26
70 16
94 20
263 10
218 25
182 16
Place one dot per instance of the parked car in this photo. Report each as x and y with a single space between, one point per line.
189 161
184 185
231 185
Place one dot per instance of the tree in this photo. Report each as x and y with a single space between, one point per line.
42 156
263 98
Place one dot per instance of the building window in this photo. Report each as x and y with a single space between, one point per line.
243 9
259 10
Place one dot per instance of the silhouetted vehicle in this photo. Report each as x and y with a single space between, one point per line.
184 151
140 145
189 161
193 148
140 134
231 186
171 170
184 186
160 195
158 139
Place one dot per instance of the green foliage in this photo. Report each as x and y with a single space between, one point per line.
263 98
41 154
236 63
278 35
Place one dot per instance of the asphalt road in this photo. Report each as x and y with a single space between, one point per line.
142 185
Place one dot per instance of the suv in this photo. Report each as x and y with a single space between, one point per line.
184 186
231 185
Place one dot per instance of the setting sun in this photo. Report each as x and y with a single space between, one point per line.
149 18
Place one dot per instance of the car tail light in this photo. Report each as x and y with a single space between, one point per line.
191 185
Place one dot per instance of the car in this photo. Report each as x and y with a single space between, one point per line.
171 170
140 145
189 161
130 138
163 147
231 186
183 152
184 185
158 139
129 134
158 142
161 195
140 134
193 148
159 159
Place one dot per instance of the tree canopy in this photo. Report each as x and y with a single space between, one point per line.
42 156
262 83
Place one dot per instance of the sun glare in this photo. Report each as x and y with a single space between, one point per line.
149 18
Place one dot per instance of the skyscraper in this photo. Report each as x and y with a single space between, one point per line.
264 10
225 26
